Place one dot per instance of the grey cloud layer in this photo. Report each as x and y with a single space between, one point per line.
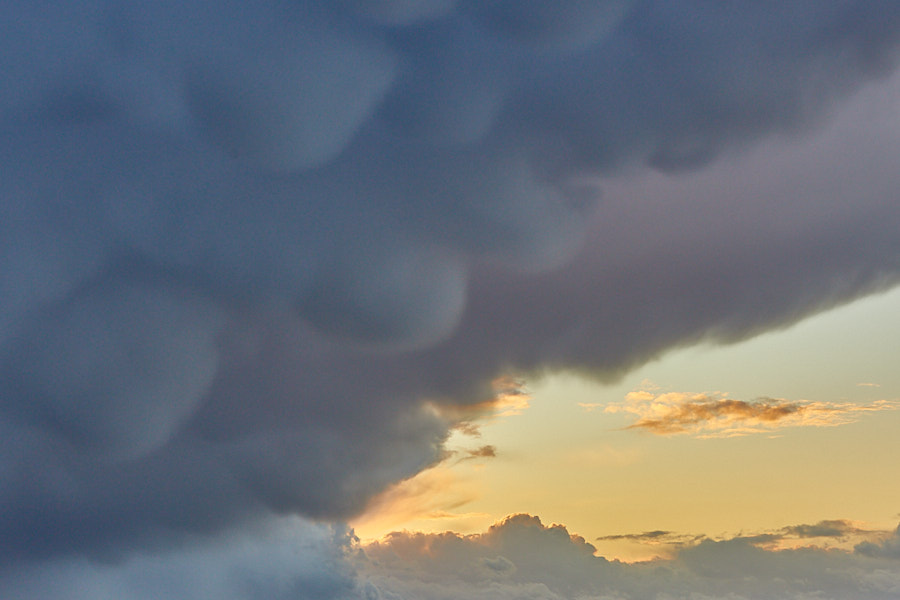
517 558
301 562
242 245
522 558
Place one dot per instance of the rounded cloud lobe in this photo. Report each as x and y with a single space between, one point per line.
248 249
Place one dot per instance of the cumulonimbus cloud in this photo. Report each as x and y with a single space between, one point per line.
255 256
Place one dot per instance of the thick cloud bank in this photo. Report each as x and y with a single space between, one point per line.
249 251
522 558
515 559
300 562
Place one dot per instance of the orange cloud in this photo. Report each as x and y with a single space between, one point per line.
828 534
715 415
508 398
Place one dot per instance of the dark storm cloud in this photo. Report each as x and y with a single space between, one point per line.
299 562
249 252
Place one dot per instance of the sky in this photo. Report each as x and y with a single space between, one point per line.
446 299
611 481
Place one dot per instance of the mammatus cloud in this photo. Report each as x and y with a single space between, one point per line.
258 259
715 415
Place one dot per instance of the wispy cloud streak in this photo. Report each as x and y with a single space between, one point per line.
715 415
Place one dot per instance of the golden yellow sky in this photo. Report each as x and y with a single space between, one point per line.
803 430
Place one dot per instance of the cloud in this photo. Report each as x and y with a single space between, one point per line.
714 415
657 536
830 528
889 547
510 398
302 561
647 545
837 534
542 556
488 451
519 557
132 341
260 260
534 556
432 498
